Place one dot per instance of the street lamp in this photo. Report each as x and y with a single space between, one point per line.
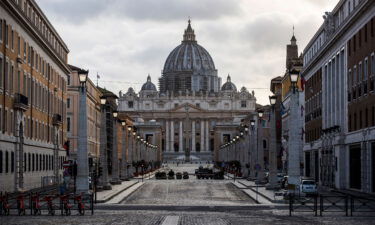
252 124
293 79
82 154
103 100
115 113
260 113
294 140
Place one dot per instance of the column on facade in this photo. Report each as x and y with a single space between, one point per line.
202 136
180 138
207 137
167 149
193 136
172 137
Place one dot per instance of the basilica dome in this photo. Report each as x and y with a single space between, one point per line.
148 86
189 56
229 86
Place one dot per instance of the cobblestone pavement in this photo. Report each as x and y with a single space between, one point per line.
188 192
109 217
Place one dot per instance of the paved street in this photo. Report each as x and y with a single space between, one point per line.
188 192
111 217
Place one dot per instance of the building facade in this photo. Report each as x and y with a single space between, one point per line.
190 103
339 69
33 76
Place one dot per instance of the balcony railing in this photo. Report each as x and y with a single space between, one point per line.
57 119
21 102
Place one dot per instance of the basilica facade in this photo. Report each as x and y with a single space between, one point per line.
195 111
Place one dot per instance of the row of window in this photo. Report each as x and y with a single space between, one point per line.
32 128
31 162
317 113
41 27
313 103
362 37
338 18
361 90
30 55
243 104
39 94
361 119
360 73
313 134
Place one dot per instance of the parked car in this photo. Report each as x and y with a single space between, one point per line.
179 175
161 175
204 173
308 187
171 175
185 175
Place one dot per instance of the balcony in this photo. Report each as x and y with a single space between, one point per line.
21 102
57 120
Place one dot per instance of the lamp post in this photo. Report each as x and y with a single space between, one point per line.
246 129
115 161
82 155
252 150
293 141
272 182
123 152
260 149
103 146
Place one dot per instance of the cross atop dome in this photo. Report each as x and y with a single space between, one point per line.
228 78
189 35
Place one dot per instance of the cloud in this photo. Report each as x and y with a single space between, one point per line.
124 40
74 11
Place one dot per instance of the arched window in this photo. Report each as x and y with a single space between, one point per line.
264 144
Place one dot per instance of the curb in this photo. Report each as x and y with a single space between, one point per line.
111 197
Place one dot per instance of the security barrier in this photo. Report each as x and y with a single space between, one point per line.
45 203
331 203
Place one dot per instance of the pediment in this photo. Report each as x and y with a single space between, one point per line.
187 107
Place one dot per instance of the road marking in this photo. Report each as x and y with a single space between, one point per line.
171 220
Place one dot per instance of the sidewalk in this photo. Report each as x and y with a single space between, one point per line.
147 175
267 196
105 196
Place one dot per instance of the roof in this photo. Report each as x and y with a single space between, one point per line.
107 93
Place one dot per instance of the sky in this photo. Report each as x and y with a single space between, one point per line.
125 40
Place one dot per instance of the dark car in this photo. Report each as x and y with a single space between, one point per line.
185 175
161 176
179 175
204 173
171 175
